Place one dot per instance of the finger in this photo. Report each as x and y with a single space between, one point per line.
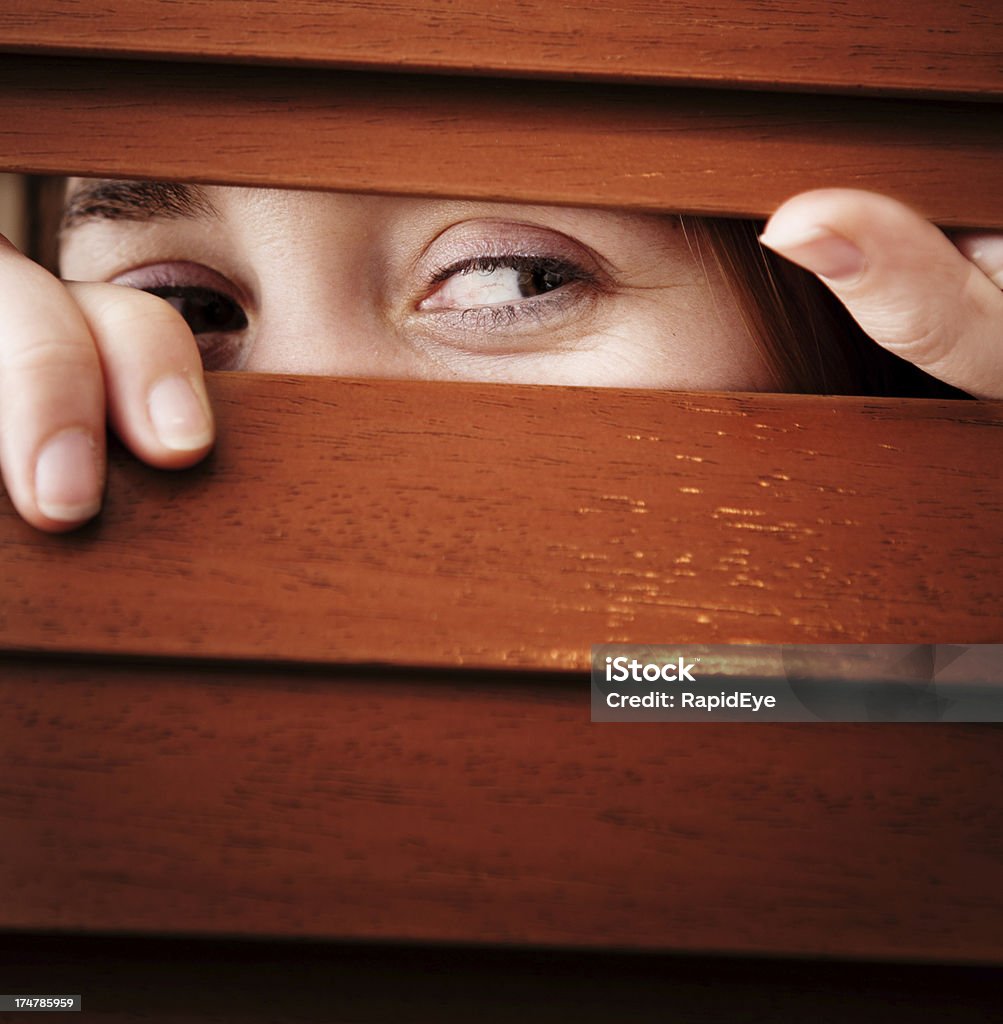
985 250
902 280
51 399
157 401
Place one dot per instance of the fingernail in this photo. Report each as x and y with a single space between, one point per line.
819 250
986 252
178 416
68 477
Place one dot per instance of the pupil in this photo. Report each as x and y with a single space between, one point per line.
205 311
539 280
215 312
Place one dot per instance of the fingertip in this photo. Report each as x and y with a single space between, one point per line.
157 400
901 279
809 213
69 480
818 249
181 418
813 229
985 250
857 240
50 525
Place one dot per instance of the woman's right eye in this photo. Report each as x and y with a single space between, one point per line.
206 300
205 311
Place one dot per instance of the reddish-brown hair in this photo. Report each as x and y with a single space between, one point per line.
806 335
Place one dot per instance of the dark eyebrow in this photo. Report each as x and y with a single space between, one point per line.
107 199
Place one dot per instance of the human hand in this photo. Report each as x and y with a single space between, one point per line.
71 354
934 301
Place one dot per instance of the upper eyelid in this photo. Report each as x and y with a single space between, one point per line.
213 280
491 239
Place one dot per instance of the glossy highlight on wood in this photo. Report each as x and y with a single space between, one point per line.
504 526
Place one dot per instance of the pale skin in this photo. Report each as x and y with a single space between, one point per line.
344 285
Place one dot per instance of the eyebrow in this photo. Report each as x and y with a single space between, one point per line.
106 199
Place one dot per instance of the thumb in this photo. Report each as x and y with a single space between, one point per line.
902 280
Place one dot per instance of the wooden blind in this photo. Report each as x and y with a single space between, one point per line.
639 147
905 47
331 684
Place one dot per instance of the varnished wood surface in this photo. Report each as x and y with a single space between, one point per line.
902 46
700 151
497 526
404 524
186 799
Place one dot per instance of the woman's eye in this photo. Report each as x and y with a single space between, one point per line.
205 311
210 303
499 281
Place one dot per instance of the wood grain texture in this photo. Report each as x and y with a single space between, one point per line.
214 801
699 151
503 526
901 46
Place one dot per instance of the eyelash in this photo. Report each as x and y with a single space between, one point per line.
512 261
219 346
169 283
207 297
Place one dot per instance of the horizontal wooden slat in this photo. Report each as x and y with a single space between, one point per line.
902 46
700 151
504 526
215 801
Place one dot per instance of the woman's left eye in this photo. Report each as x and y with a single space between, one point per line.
499 281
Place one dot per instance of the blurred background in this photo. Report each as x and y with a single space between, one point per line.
30 209
13 213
